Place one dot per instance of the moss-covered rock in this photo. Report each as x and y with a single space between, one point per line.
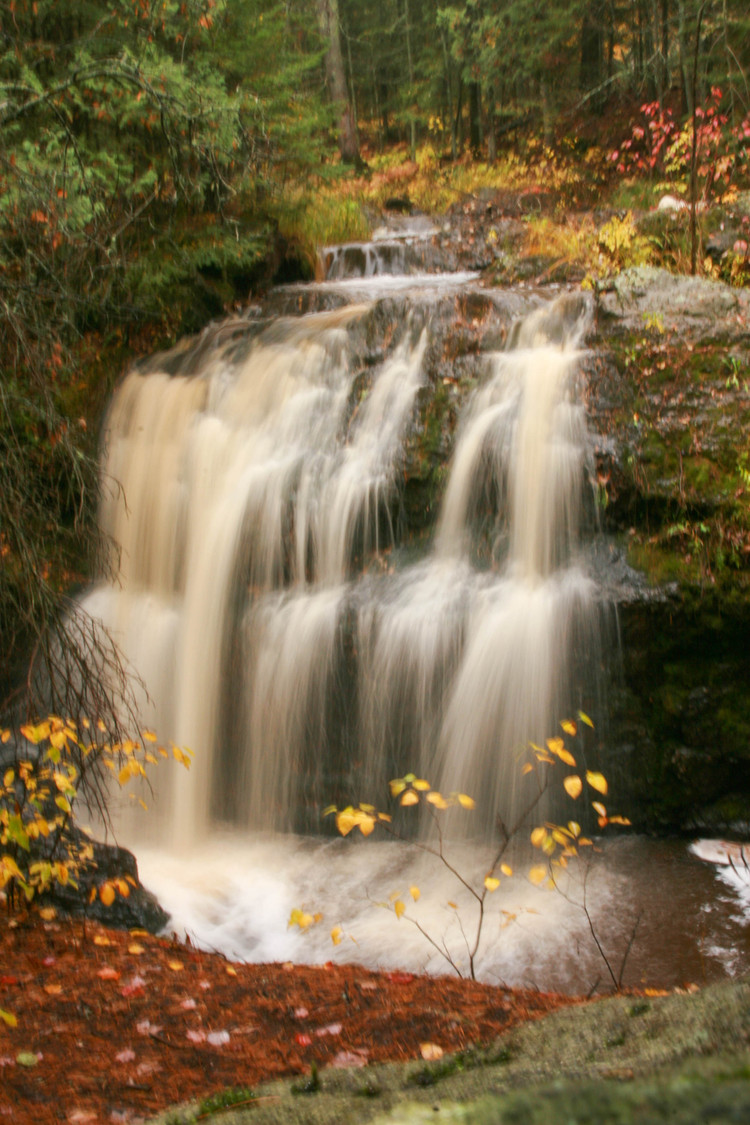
682 1058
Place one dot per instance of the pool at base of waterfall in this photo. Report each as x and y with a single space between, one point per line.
663 917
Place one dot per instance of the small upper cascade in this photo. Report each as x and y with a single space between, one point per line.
401 248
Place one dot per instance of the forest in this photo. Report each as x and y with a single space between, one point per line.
164 165
163 159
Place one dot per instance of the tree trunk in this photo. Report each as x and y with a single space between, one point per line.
328 22
475 119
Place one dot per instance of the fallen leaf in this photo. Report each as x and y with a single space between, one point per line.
108 973
349 1059
100 939
53 989
145 1027
136 949
48 913
538 874
125 1056
399 978
27 1058
302 1039
188 1004
218 1038
301 1013
196 1036
430 1051
175 966
329 1029
8 1018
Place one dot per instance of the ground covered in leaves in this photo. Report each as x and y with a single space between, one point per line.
110 1026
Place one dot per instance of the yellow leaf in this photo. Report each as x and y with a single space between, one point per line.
366 825
48 913
423 786
10 777
8 1018
415 893
538 836
384 816
35 734
346 820
230 970
107 894
620 820
336 935
4 736
431 1052
399 908
557 746
506 869
527 768
466 802
437 799
125 774
149 735
410 798
397 786
491 883
135 949
597 781
452 905
575 828
53 989
599 807
573 785
538 874
569 726
175 966
585 719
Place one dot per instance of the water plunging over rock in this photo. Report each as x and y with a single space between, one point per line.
259 597
356 539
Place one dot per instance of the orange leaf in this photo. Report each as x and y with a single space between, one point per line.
108 973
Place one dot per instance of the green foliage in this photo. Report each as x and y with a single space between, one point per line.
310 222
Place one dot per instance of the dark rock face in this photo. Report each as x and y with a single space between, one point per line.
138 910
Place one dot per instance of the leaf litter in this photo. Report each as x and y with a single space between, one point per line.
76 991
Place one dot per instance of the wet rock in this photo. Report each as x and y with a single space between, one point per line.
138 909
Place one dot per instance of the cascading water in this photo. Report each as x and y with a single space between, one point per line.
255 498
302 658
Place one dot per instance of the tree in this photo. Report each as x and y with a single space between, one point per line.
328 20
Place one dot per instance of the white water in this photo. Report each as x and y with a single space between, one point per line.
258 600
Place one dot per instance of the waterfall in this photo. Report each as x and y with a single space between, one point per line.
257 593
